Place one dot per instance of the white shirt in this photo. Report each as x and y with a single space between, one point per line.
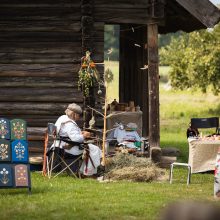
67 127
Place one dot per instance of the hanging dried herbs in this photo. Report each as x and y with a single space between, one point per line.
88 74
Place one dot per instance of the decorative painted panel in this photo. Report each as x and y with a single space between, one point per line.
5 150
21 175
4 128
18 129
19 151
5 175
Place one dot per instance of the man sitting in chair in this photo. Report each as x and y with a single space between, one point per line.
67 127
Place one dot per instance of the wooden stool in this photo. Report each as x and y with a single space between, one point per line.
180 164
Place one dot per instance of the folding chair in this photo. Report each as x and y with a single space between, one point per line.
205 123
54 157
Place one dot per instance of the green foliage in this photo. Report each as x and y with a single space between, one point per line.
165 39
111 42
195 60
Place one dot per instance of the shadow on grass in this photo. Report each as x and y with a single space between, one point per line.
181 145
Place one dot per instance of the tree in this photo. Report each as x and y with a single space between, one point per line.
195 60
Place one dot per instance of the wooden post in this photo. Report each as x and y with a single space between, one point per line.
153 83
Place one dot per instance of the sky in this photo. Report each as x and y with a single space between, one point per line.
215 1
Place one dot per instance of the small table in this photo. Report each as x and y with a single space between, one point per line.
202 154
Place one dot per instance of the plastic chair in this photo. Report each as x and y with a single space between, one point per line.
54 158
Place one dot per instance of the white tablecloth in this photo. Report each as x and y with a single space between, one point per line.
202 154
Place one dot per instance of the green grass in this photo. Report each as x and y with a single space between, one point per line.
68 198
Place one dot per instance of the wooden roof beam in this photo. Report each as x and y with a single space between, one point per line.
203 10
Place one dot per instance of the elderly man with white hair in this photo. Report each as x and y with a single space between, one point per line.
67 127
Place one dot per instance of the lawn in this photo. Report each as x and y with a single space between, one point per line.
67 198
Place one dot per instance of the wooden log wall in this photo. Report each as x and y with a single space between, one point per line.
41 45
123 11
40 53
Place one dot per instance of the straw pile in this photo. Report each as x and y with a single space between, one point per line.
132 168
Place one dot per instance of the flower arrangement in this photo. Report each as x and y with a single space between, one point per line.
88 74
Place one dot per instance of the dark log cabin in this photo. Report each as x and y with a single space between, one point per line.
42 42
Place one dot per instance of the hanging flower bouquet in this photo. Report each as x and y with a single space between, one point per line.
88 74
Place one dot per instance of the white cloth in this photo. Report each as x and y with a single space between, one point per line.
67 127
202 154
123 135
95 154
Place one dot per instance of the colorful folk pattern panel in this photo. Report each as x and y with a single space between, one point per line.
21 175
5 150
19 150
18 129
4 128
5 175
14 167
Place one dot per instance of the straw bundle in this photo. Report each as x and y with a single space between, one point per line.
132 168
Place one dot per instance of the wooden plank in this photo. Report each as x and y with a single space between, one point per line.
153 79
6 12
38 149
34 120
64 17
39 82
36 146
43 53
43 95
34 138
122 16
123 4
45 48
42 47
39 58
53 26
47 36
40 37
38 2
32 108
203 10
39 70
43 59
46 58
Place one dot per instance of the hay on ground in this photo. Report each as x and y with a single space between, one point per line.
132 168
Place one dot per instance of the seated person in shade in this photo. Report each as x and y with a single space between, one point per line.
191 131
67 127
